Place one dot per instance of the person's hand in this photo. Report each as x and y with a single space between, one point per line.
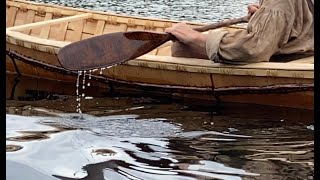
252 8
185 34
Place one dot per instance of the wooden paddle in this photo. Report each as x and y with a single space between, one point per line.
115 48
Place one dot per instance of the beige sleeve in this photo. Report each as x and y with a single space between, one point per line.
267 31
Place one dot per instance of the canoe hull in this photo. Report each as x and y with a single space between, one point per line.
32 48
126 79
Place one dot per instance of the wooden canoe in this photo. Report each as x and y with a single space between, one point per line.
35 32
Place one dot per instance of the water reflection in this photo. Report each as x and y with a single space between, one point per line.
91 152
144 138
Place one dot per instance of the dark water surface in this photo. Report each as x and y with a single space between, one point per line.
183 10
145 138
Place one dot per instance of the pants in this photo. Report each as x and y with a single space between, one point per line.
182 50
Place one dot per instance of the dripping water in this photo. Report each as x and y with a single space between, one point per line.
90 72
102 70
78 97
80 94
84 80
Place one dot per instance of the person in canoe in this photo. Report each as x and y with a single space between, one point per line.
275 27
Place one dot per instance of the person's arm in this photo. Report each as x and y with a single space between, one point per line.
267 31
185 34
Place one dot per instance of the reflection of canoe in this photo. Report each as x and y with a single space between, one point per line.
51 94
23 88
23 92
35 33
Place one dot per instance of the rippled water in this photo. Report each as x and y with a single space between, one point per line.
184 10
144 138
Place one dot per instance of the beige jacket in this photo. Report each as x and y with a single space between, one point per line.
278 27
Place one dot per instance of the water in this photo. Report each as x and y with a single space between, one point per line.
183 10
139 137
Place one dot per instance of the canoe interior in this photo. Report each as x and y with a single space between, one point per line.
21 13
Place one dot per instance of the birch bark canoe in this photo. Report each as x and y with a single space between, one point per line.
35 32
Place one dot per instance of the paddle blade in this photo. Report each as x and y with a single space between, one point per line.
109 49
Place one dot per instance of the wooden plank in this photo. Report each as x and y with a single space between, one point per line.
108 28
45 30
89 26
86 36
99 27
55 31
307 60
20 17
50 22
74 31
36 31
164 51
302 72
11 16
62 32
211 64
29 19
135 28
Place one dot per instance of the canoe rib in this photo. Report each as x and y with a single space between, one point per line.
46 30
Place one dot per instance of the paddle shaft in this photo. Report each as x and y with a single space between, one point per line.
217 25
224 23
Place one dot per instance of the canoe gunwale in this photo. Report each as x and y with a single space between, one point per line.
32 42
50 22
265 69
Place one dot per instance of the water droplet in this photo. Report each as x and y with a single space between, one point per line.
77 92
90 72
